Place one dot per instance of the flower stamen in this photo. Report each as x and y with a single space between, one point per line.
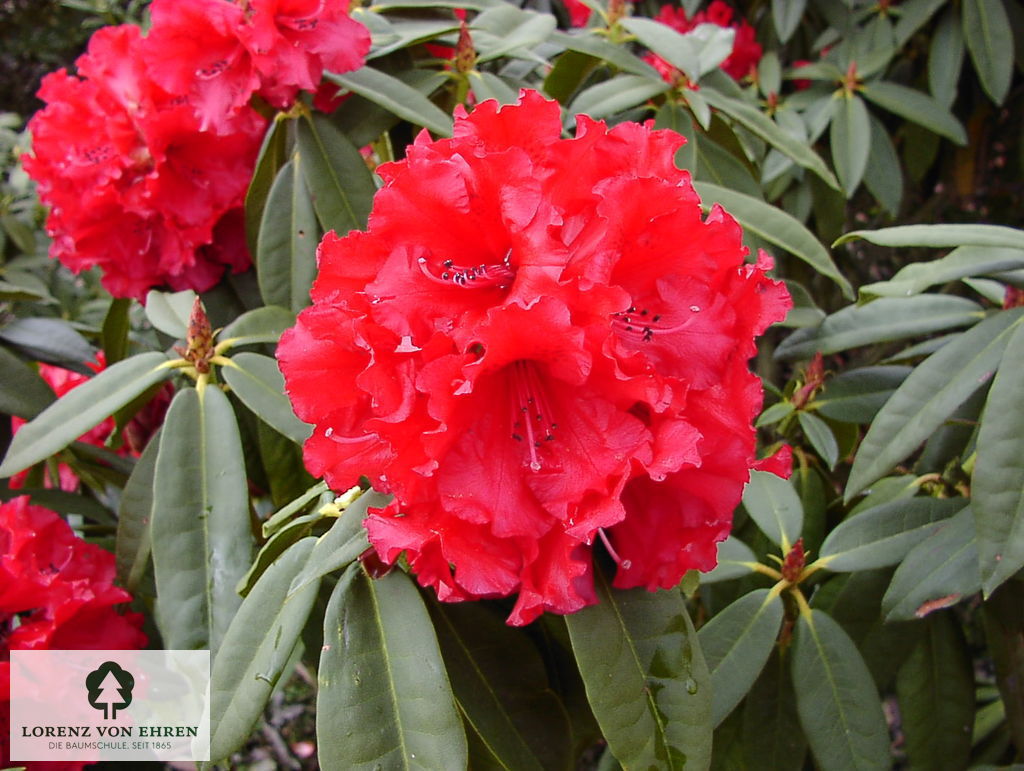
531 411
624 564
641 325
471 277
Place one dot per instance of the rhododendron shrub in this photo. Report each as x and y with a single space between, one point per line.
56 592
538 343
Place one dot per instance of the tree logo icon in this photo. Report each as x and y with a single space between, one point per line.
110 688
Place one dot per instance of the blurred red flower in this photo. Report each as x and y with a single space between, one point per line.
538 343
56 592
746 51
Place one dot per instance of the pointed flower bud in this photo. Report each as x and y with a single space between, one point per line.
465 53
794 563
199 341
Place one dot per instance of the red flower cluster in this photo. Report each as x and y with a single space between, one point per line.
56 592
746 51
136 434
145 156
539 342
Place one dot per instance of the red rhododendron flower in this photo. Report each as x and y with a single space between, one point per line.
538 343
218 53
56 592
133 185
746 51
136 434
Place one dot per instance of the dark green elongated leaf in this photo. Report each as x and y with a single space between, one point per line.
883 535
287 240
937 573
851 140
693 56
717 166
935 687
260 325
997 484
133 517
336 174
989 38
915 13
23 392
736 644
775 413
520 721
487 85
760 124
273 154
883 174
960 263
775 226
51 340
820 436
258 382
771 734
1004 632
282 461
916 107
82 408
389 37
381 667
343 543
786 15
889 318
946 58
592 45
836 698
505 30
570 69
281 517
200 525
615 95
646 679
774 505
395 97
256 649
940 236
282 539
857 395
734 558
938 385
115 330
169 311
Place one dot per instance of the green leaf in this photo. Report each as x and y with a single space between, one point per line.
937 573
851 140
775 226
646 679
114 335
989 37
836 698
200 525
774 505
939 236
857 395
83 408
336 174
273 154
771 734
764 127
487 85
917 107
938 385
505 30
946 58
997 484
261 325
282 517
913 15
256 649
518 718
616 94
586 42
820 436
736 643
694 55
258 382
395 97
883 535
288 237
786 15
960 263
133 516
883 174
282 539
774 414
718 166
889 318
935 687
170 311
384 699
23 392
50 340
734 558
